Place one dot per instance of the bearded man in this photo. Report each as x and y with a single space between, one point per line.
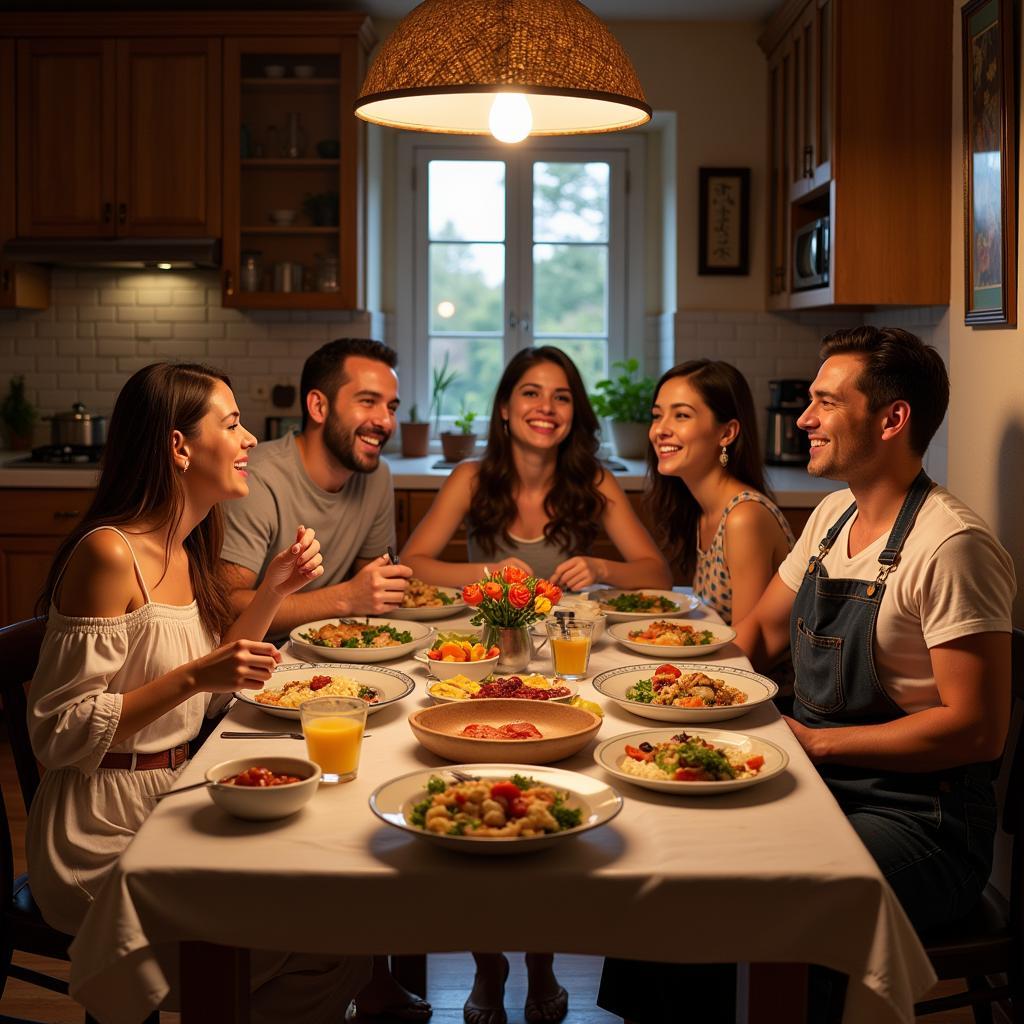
329 477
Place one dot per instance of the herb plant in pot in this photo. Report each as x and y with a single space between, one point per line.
626 401
415 435
18 416
460 444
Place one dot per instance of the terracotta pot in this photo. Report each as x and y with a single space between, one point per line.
630 439
415 440
457 446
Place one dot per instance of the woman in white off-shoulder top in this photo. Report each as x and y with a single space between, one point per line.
139 638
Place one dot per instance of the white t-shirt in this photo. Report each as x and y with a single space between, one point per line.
953 579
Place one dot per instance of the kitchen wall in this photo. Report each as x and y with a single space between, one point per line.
986 416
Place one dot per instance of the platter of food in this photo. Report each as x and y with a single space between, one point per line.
695 762
691 692
503 809
529 686
424 601
359 640
292 685
672 638
537 732
630 605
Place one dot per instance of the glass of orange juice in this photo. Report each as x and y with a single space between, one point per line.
333 727
570 646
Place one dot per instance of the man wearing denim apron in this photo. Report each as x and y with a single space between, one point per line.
896 606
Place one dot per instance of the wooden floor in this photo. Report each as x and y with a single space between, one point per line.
449 975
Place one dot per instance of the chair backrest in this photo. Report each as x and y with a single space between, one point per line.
19 654
1010 801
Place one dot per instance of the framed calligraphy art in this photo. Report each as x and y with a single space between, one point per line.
724 234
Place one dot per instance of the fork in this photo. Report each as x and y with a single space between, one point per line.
461 776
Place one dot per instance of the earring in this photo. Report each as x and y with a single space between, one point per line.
504 424
188 463
724 457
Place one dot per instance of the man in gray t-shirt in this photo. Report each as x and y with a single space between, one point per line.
329 477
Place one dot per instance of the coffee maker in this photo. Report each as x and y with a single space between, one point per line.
787 444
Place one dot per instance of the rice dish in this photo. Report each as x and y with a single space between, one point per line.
297 692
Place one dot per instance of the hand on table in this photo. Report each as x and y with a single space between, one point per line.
377 588
293 568
809 739
579 572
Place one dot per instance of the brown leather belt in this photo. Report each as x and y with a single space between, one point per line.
173 758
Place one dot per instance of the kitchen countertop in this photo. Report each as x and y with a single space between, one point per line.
793 487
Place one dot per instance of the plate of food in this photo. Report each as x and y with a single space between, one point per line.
672 638
685 693
424 601
359 640
695 762
538 732
529 686
292 685
502 809
630 605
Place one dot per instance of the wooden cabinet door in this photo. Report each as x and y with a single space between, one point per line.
778 180
168 137
66 137
24 565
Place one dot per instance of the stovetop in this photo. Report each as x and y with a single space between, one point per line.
59 456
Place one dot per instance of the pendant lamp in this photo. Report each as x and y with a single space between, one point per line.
510 68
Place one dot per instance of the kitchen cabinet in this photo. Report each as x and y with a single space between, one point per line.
293 162
119 137
21 287
32 525
859 95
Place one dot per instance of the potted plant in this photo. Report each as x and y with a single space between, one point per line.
626 401
415 435
442 380
18 415
460 444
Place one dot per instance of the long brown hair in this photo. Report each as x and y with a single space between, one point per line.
575 507
670 505
138 480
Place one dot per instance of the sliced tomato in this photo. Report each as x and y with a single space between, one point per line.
517 807
639 755
668 670
492 652
509 790
690 775
755 762
460 798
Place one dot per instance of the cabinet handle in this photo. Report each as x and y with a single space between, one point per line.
808 161
122 213
67 514
108 212
5 281
229 283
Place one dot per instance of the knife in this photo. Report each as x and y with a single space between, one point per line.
270 735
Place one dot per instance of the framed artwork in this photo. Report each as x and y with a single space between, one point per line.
990 163
724 233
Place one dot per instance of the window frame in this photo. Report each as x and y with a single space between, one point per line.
626 155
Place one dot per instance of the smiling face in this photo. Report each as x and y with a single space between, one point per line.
844 433
362 416
539 412
686 437
217 454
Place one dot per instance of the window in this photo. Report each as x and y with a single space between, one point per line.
540 245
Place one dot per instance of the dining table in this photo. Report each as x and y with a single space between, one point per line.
771 877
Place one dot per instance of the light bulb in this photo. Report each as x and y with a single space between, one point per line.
510 119
446 309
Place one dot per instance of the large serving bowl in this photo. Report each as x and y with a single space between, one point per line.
391 685
615 682
361 655
723 635
566 730
256 803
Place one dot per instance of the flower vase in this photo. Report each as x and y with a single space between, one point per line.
515 643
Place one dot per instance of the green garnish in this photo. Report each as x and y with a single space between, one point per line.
642 692
419 812
436 784
640 603
524 782
692 753
567 817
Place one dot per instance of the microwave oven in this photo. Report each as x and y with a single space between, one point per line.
810 255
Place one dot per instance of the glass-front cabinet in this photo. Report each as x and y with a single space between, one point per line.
293 166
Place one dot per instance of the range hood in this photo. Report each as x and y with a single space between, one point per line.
116 253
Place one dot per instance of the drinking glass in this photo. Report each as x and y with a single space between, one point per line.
570 641
333 727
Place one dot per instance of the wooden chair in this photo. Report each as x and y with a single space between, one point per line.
990 941
22 928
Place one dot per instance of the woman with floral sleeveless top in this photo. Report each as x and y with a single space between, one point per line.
707 498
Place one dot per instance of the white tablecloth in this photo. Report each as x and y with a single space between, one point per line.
773 873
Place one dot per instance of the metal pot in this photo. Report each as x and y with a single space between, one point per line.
79 426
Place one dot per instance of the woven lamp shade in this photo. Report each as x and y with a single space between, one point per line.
441 67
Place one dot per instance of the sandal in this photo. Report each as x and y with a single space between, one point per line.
474 1014
416 1011
547 1011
